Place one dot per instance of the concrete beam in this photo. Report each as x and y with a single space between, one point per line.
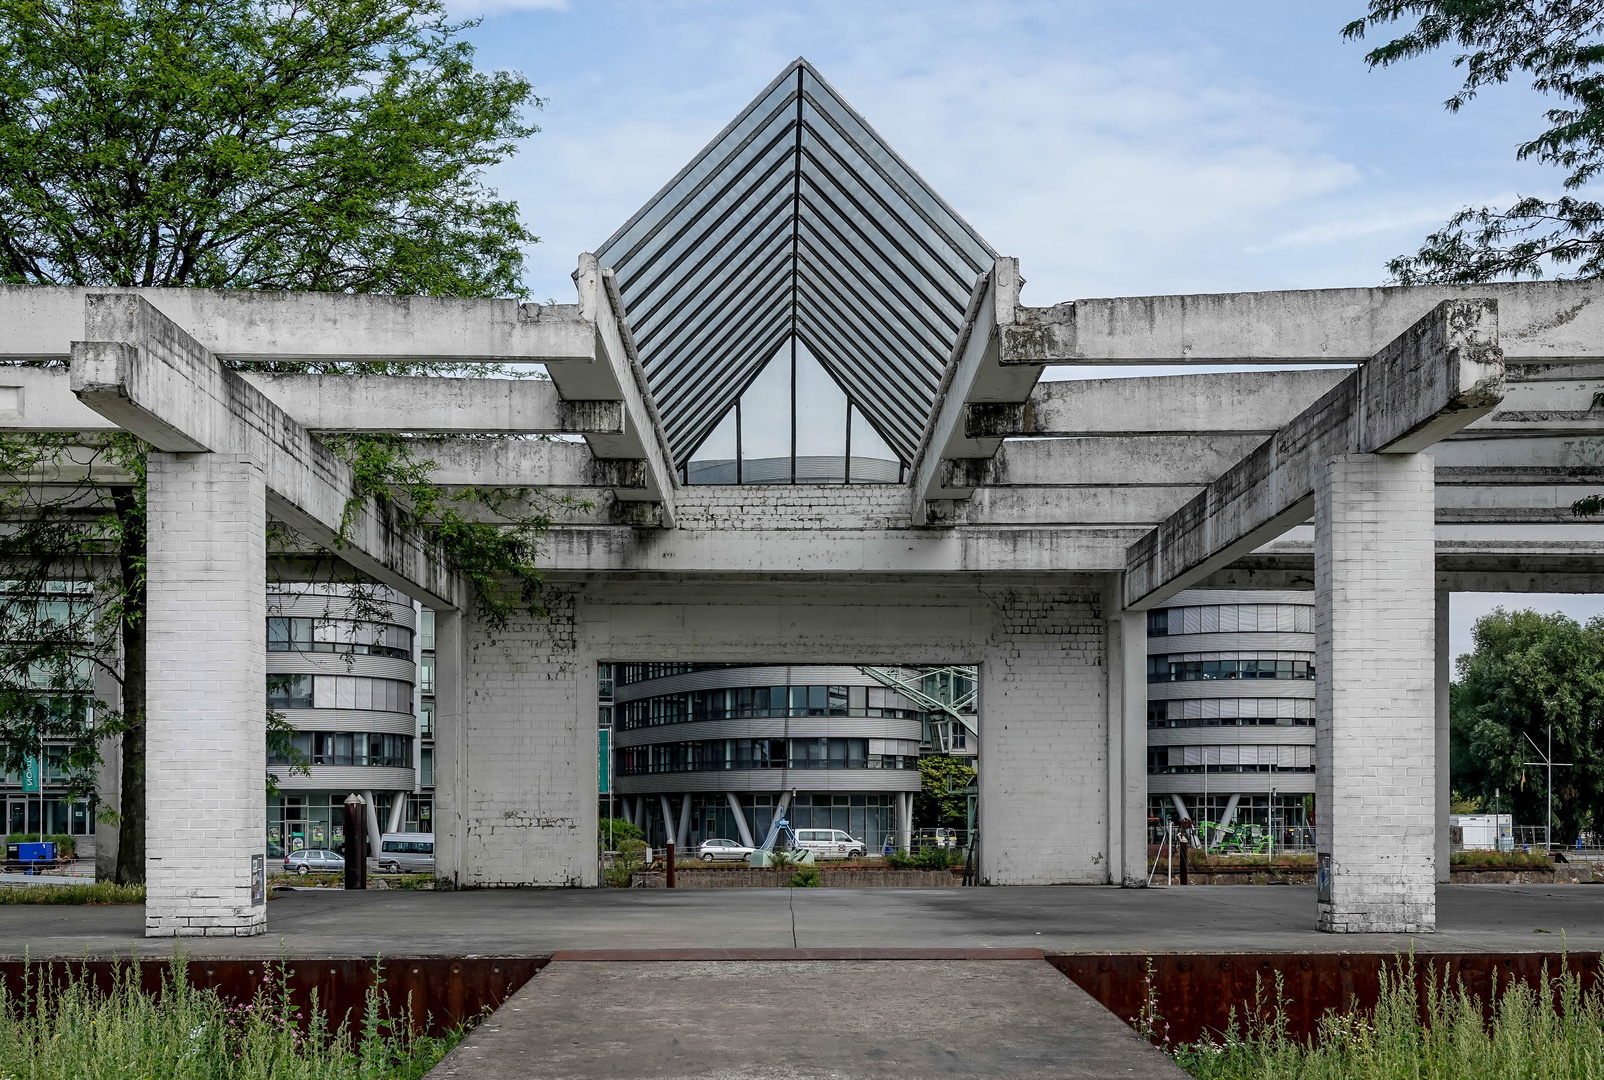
1131 461
514 463
1236 402
239 326
1443 373
1541 322
431 406
34 398
618 376
972 375
143 372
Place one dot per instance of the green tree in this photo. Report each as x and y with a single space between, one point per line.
1528 671
941 801
325 144
1559 46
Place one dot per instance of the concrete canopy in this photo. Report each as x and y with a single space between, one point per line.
797 222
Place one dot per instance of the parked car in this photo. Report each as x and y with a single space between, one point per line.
830 844
409 852
313 861
713 850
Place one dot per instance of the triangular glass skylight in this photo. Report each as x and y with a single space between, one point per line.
797 219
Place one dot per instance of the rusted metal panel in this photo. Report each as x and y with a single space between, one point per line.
435 993
1198 993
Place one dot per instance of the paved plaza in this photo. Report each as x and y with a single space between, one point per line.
1054 919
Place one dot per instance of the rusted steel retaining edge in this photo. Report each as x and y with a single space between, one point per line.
1197 993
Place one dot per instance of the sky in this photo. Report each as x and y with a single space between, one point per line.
1123 148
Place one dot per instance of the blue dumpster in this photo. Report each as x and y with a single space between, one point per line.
31 855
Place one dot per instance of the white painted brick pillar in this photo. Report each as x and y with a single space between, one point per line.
206 703
1444 780
450 749
1376 656
1127 741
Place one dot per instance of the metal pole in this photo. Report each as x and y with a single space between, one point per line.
738 477
846 465
1548 822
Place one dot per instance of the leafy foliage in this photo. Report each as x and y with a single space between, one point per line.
620 832
1559 45
1529 670
329 144
941 800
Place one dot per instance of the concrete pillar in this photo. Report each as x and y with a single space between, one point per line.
740 818
450 748
108 778
1375 656
371 817
1127 741
682 835
1180 806
1445 794
668 821
905 820
1230 812
398 811
206 696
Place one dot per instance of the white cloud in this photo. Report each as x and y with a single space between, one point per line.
470 9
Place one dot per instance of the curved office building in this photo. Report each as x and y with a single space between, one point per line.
708 751
343 673
1230 710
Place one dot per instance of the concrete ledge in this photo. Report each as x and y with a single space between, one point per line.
777 879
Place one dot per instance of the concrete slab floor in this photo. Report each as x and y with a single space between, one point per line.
1213 918
801 1020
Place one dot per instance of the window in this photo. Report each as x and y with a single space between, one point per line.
286 634
348 748
289 691
1158 623
426 674
426 767
359 692
426 718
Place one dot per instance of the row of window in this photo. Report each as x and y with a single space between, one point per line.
1192 759
1231 712
338 692
711 754
760 701
1232 619
1230 665
348 748
338 635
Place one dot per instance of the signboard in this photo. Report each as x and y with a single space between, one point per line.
31 773
1322 878
258 879
604 760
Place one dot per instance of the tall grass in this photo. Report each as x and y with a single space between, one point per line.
1528 1037
69 1030
99 892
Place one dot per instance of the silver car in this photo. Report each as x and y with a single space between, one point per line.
314 861
717 850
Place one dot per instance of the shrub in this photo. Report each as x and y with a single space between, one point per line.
622 833
806 877
938 858
1501 860
901 860
631 857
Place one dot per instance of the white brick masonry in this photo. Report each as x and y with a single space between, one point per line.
1375 656
207 695
516 779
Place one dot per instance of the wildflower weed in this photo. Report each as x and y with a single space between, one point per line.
67 1029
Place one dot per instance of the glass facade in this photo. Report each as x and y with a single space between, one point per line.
718 754
338 692
1230 759
349 748
286 634
764 701
1231 619
1195 667
867 817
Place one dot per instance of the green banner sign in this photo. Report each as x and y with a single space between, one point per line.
604 759
31 773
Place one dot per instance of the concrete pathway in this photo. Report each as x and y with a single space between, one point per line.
524 922
626 1019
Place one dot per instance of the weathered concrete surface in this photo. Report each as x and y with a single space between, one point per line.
524 922
448 406
1445 372
244 324
834 1019
144 372
1551 321
1234 402
1116 461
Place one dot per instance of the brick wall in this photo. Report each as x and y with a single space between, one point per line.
206 701
1375 615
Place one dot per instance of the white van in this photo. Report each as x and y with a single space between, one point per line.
406 852
830 844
